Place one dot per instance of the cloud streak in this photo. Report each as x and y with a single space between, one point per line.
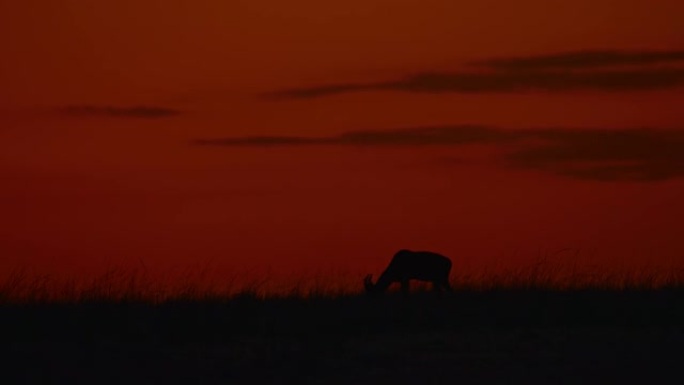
566 72
583 60
586 154
608 155
415 136
505 82
133 112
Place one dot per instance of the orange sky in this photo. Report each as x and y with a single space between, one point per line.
131 131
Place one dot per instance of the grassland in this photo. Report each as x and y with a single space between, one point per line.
527 330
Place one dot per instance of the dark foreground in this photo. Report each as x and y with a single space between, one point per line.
492 337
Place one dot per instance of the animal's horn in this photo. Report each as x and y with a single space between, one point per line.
368 282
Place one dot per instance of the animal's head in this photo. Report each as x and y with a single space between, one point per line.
368 284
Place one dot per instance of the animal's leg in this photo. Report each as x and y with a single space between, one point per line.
405 286
447 285
437 286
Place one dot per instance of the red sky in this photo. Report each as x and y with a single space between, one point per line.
491 131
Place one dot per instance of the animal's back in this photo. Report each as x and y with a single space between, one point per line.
432 265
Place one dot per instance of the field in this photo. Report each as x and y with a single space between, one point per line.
489 334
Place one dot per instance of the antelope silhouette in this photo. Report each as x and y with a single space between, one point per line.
407 265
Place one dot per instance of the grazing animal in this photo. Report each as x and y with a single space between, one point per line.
407 265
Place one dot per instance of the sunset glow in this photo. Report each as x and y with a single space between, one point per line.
292 137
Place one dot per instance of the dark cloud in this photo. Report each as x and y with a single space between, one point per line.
609 71
319 91
263 141
631 80
140 112
634 154
506 82
417 136
582 60
588 154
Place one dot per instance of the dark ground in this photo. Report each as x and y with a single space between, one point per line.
489 337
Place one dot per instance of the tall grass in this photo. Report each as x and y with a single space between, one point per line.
138 285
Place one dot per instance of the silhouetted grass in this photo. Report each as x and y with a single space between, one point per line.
121 284
509 329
